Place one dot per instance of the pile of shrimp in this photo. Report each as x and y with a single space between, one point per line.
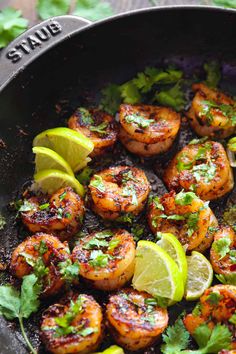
104 259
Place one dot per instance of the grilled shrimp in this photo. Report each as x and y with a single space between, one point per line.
106 258
83 333
217 305
134 319
118 190
223 251
188 221
98 126
148 130
204 166
61 215
212 113
45 256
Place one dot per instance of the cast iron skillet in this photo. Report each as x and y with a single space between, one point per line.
70 65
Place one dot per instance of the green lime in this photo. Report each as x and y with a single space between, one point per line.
200 276
73 146
113 349
47 159
156 273
175 250
49 181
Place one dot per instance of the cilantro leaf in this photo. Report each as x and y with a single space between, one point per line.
176 338
233 319
214 298
97 183
51 8
185 198
98 259
137 231
26 206
142 122
69 270
93 10
129 191
213 73
130 93
100 129
225 3
84 176
12 24
221 246
15 304
111 99
173 97
227 279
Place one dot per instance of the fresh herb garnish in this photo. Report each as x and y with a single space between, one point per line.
113 244
62 196
198 141
176 338
93 10
85 116
225 3
97 183
26 206
44 206
192 223
214 298
233 319
197 310
126 218
99 240
100 129
98 259
206 171
12 24
229 111
84 176
222 246
227 279
52 8
137 231
129 191
185 198
141 121
156 201
213 73
20 305
173 97
69 270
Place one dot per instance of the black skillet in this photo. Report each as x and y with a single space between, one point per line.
64 62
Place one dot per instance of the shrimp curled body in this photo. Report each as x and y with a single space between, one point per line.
217 305
117 249
190 223
131 322
37 253
154 134
61 215
85 326
98 126
205 115
204 166
118 190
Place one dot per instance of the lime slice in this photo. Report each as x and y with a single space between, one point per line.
49 181
113 349
73 146
175 250
200 275
156 273
47 159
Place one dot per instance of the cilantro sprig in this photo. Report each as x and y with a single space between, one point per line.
12 24
21 304
210 341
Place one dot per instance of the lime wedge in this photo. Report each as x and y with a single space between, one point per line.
175 250
49 181
156 273
73 146
113 349
200 275
47 159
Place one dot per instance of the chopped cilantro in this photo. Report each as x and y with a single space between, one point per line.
222 246
129 191
214 298
69 270
84 176
213 73
156 201
97 183
126 218
62 196
127 175
205 171
98 259
232 256
185 198
192 223
44 206
142 122
183 164
60 213
198 141
113 244
175 338
197 310
202 151
137 231
26 206
233 319
227 279
95 243
172 217
229 111
100 129
85 116
212 229
130 93
43 248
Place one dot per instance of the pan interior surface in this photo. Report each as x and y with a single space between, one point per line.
73 73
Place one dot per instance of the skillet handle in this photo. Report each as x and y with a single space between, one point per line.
34 42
